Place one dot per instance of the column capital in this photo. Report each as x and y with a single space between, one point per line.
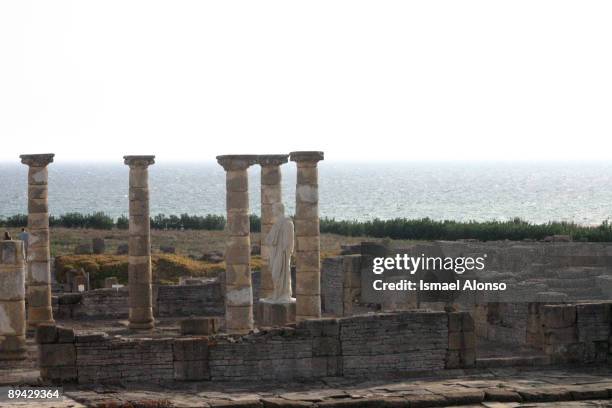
237 161
37 160
272 159
306 156
139 160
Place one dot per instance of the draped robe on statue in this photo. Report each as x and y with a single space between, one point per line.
280 242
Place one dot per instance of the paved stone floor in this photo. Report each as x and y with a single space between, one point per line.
493 388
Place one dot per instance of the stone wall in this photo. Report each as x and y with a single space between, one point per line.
367 346
168 301
571 333
188 300
332 281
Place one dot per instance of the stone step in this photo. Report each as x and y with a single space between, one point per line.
518 361
573 272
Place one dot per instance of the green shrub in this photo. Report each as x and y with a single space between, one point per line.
398 228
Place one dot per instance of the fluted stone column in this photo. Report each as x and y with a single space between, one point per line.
238 287
39 265
139 259
12 301
271 193
307 242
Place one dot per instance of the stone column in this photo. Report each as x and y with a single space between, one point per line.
12 301
307 242
139 253
271 193
238 288
38 252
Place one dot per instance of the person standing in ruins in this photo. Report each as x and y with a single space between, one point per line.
25 237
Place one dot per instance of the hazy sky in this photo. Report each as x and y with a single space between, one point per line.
361 80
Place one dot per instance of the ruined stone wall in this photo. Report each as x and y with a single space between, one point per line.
367 346
168 301
393 343
572 333
189 300
332 281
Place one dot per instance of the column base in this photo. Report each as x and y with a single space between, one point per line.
141 325
275 314
33 324
13 348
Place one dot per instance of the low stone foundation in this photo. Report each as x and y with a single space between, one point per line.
368 346
571 333
168 301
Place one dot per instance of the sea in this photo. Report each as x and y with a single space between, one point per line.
534 191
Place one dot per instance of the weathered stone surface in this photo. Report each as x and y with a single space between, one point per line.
139 244
198 326
12 301
275 314
308 269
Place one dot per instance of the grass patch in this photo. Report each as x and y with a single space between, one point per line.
167 268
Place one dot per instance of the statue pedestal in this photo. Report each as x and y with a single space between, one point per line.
275 314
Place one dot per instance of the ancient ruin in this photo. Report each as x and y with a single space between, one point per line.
242 329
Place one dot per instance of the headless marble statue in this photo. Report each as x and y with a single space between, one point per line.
280 242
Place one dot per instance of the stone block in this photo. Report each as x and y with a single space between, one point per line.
59 375
241 296
138 194
238 318
198 326
46 333
38 296
558 316
186 349
139 245
308 282
307 193
308 175
194 370
326 346
237 199
306 227
238 274
38 205
12 283
467 322
275 314
307 244
13 348
236 180
560 336
37 191
593 312
308 306
65 335
139 177
38 220
455 321
57 355
308 260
